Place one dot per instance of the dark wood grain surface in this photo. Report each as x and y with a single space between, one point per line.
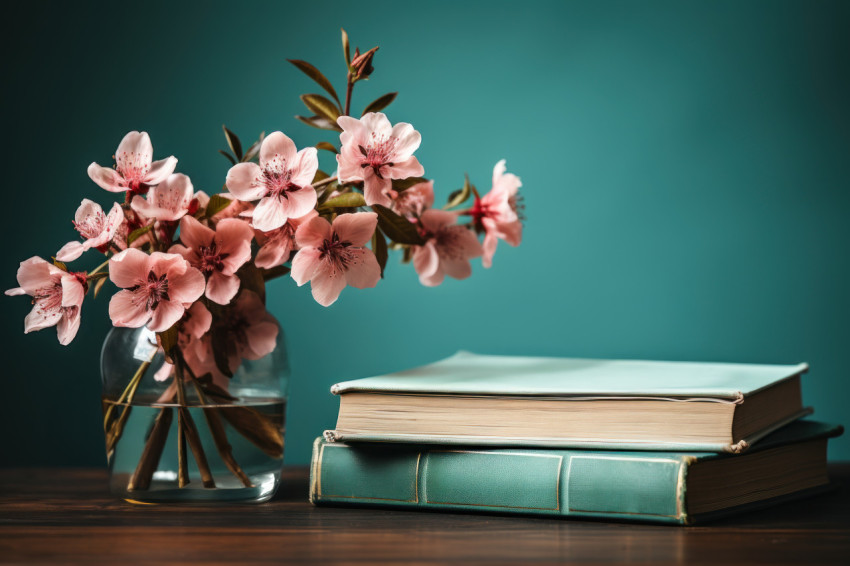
68 516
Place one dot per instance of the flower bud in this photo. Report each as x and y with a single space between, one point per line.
361 65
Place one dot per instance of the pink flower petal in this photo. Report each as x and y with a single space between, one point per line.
194 234
375 190
466 242
68 326
426 261
160 170
435 220
356 228
351 128
135 148
304 265
348 166
187 287
166 315
407 168
304 166
377 123
163 374
270 213
363 270
244 181
128 268
235 243
300 202
35 273
273 253
408 141
456 268
313 232
73 292
489 249
39 319
198 320
106 178
262 339
123 310
222 288
186 253
277 144
326 285
71 251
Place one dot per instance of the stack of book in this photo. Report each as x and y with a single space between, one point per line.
673 442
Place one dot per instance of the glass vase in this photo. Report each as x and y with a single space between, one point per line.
217 440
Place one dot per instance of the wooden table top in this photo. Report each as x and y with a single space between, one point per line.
68 515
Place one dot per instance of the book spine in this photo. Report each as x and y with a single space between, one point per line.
521 481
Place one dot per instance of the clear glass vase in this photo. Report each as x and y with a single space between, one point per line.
211 443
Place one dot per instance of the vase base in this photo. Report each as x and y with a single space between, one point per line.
165 491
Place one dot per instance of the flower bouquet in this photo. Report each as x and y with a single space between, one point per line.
192 331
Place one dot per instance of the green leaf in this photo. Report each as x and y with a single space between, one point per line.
404 184
98 285
327 147
346 50
278 271
459 196
380 103
138 232
317 76
254 149
397 228
252 279
220 344
320 176
319 122
233 142
228 156
168 340
379 248
321 106
217 204
345 200
60 264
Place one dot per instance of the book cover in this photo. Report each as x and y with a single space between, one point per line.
545 402
621 485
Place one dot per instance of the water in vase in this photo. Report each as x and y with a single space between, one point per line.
241 443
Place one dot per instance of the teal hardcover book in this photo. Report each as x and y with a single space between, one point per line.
572 403
665 487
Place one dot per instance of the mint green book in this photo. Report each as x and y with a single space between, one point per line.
664 487
479 400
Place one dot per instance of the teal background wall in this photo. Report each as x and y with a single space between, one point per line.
685 168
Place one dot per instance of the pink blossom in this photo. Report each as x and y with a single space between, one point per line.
412 202
447 250
195 323
56 297
168 201
375 152
333 256
277 245
218 253
157 288
96 228
497 213
251 334
282 182
135 169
